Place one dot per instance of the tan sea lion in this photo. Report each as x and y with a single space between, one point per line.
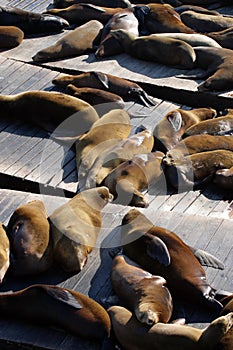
224 178
77 42
226 342
31 22
197 169
109 3
157 49
217 126
205 23
30 242
53 306
75 226
162 252
120 86
49 110
109 46
200 143
108 130
4 253
137 174
143 293
116 154
10 37
223 37
168 132
133 335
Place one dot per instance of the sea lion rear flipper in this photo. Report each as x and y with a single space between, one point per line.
157 250
175 119
142 97
103 78
207 259
64 296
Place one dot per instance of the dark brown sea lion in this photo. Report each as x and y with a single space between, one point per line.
109 3
198 168
163 253
200 143
217 126
143 293
4 252
77 42
133 335
82 13
49 110
30 242
223 37
53 306
110 129
199 9
31 22
226 342
114 155
10 37
168 132
137 174
205 23
152 48
224 178
109 46
120 86
75 226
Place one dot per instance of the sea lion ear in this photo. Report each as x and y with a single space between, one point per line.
103 78
175 119
64 296
157 250
207 259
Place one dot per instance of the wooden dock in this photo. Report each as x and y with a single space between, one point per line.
32 165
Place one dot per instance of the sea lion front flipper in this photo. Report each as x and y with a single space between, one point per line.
103 78
175 119
64 296
142 97
157 249
207 259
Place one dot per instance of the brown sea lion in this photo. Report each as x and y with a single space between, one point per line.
137 174
227 340
4 252
197 169
30 242
108 130
120 86
163 253
143 293
223 37
217 126
109 3
224 178
82 13
10 37
114 155
168 132
53 306
200 143
205 23
31 22
49 110
109 46
155 49
75 226
133 335
77 42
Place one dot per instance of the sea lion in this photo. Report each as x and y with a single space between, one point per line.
109 46
224 178
168 132
103 101
199 9
217 126
137 174
144 294
116 154
30 243
53 306
10 37
120 86
75 226
4 253
31 22
200 143
69 115
197 169
163 253
223 37
110 129
156 49
205 23
77 42
226 341
109 3
133 335
81 13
